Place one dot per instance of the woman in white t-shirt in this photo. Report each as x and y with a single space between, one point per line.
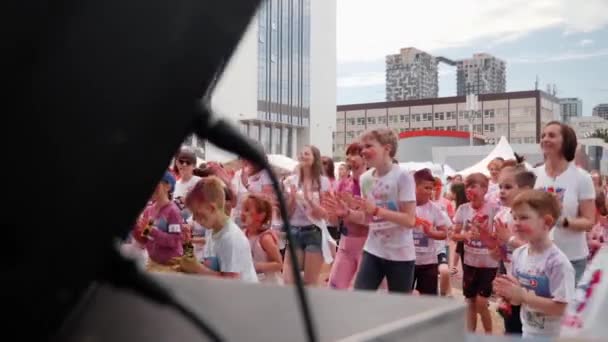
574 189
185 163
306 189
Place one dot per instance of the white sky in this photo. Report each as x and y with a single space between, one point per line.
370 29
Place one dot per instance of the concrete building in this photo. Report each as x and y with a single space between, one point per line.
281 82
519 116
482 74
410 75
570 107
417 146
601 110
586 125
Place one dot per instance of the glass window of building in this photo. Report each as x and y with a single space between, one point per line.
254 132
276 140
266 138
439 116
371 120
360 121
382 119
404 118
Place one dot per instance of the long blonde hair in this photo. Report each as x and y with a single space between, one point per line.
316 168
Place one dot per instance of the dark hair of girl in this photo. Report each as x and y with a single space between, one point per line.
459 193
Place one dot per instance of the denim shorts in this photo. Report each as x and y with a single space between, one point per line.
307 238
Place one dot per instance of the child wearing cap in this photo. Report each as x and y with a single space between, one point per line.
160 225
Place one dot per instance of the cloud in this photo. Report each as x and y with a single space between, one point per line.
585 42
369 30
363 79
562 57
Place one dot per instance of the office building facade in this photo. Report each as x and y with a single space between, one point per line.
518 116
281 82
410 75
601 111
482 74
570 108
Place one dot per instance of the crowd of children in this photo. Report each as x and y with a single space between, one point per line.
379 223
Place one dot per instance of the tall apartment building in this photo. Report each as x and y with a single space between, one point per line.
482 74
410 75
519 116
570 107
601 110
281 82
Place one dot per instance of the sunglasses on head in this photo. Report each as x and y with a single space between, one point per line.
184 162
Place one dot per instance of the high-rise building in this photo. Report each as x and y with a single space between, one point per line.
482 74
410 75
281 82
601 110
570 107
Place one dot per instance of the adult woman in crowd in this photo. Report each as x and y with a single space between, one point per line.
185 163
328 171
574 189
306 189
249 179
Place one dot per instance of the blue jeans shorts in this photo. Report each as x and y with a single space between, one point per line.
307 238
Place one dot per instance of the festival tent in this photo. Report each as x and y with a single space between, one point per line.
436 169
448 171
502 149
282 162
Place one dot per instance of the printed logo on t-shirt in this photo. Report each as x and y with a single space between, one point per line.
174 228
482 222
558 192
421 240
538 283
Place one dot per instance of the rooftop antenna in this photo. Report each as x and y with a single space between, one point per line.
536 83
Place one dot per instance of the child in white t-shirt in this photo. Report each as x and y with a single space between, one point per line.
542 279
473 223
431 225
227 252
513 179
388 206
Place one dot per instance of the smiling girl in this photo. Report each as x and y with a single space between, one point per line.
388 206
306 189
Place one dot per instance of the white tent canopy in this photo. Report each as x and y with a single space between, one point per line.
282 162
415 166
502 149
448 171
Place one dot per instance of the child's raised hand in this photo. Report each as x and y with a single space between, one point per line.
427 226
364 204
508 287
502 231
334 206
